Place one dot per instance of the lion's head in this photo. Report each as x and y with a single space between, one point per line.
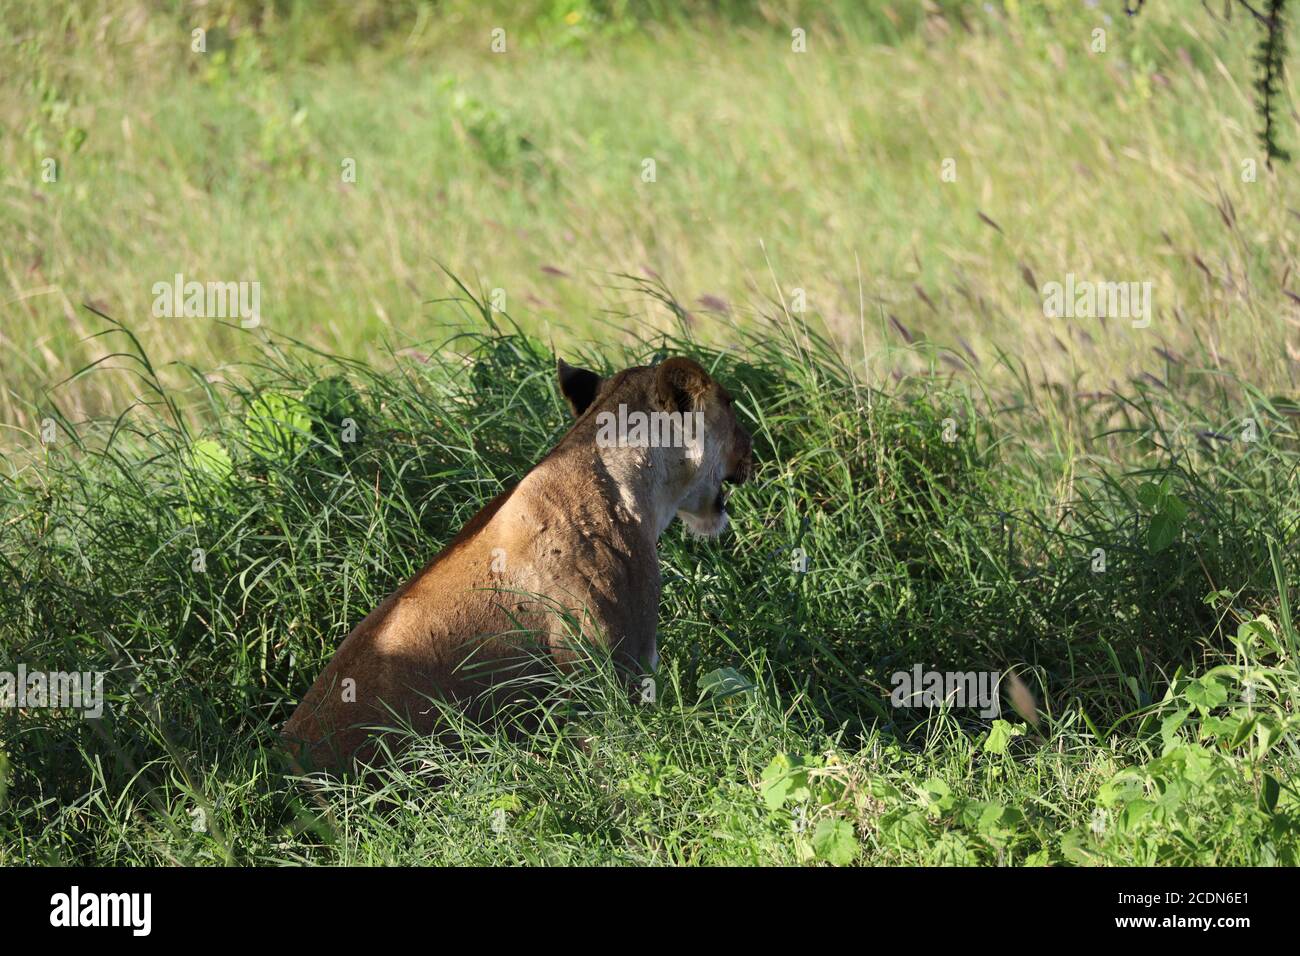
676 423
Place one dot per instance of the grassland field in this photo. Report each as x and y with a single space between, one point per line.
856 237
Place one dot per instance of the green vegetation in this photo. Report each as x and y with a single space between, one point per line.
211 573
946 477
522 171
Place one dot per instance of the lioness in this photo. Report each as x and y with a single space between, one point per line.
577 535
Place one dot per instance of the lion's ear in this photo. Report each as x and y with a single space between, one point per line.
578 386
680 383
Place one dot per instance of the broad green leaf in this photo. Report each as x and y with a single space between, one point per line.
937 795
1000 735
1162 533
1134 812
1267 733
209 457
725 682
509 802
1170 725
1244 730
1259 629
785 780
1205 693
1148 495
330 401
1268 793
1124 786
1076 847
996 823
277 425
775 782
834 842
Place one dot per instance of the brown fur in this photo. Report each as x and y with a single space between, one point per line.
578 533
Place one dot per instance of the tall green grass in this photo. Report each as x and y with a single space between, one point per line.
946 477
945 521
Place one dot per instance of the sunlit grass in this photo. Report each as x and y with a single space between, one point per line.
775 172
